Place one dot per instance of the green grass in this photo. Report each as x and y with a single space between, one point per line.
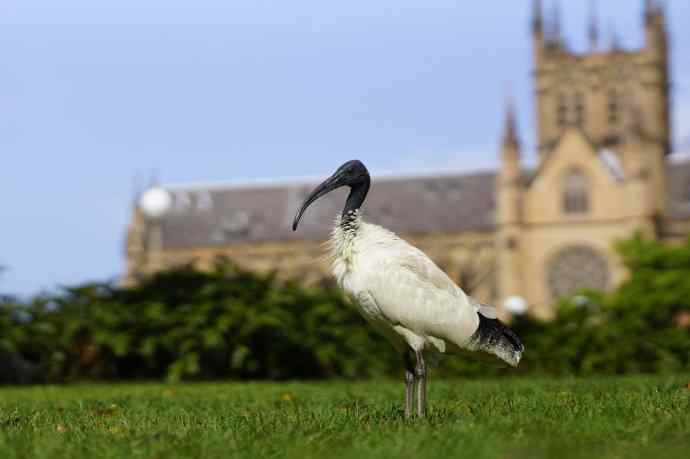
511 418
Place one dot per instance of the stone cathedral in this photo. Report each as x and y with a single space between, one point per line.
516 235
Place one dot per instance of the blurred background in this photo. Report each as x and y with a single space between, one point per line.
154 155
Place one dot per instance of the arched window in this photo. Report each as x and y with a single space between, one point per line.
561 111
613 107
577 268
579 109
575 192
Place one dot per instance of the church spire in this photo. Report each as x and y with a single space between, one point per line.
593 25
510 184
510 136
656 36
537 17
648 11
539 43
654 11
554 27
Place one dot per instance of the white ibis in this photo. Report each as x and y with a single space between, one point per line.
403 294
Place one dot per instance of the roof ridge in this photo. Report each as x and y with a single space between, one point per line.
679 156
278 182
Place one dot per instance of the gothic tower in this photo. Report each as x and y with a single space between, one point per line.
617 98
598 91
603 134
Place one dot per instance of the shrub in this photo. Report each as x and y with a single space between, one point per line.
188 324
637 328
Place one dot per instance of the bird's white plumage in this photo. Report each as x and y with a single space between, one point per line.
400 290
402 293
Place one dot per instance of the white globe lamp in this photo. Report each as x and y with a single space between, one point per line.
155 202
516 305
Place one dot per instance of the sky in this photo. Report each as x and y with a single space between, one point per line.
96 97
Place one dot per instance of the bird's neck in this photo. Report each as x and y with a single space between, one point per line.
342 241
349 223
358 193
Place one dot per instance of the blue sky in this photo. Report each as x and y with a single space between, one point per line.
93 94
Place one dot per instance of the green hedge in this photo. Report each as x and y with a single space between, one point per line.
643 326
190 324
186 324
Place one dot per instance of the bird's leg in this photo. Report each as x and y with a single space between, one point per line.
420 374
409 384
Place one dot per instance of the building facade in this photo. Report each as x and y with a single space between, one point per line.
605 170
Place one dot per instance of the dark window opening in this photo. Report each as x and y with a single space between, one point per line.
561 112
575 192
579 109
613 108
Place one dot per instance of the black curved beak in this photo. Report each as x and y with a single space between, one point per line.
330 184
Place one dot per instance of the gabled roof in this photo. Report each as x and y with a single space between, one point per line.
556 144
219 216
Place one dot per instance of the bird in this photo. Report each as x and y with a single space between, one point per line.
403 294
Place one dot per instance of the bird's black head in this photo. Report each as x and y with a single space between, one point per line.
353 174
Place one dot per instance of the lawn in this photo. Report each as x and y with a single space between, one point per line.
510 418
